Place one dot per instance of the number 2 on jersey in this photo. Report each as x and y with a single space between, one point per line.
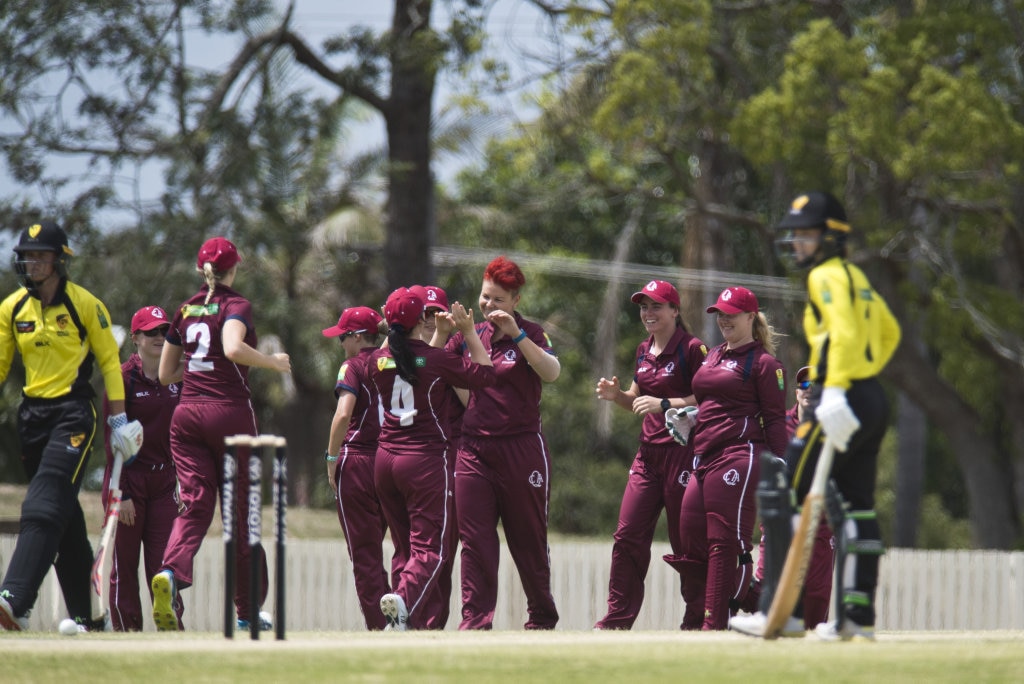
199 333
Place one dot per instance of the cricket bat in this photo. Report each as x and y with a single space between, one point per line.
791 583
100 576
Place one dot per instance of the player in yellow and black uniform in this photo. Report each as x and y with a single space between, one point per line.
852 335
60 330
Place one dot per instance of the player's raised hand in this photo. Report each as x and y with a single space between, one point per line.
505 322
444 323
608 389
462 317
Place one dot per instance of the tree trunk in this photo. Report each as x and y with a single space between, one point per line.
705 247
993 520
607 325
912 427
307 423
410 203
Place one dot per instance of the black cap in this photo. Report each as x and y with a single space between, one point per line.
45 236
815 210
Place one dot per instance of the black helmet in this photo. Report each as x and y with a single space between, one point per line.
814 210
45 236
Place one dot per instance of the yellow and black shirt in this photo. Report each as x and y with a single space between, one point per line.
60 343
850 329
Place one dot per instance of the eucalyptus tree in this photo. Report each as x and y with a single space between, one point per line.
712 115
245 153
915 118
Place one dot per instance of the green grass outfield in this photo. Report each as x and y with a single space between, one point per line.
561 657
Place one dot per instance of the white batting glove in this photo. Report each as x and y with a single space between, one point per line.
836 417
125 437
680 422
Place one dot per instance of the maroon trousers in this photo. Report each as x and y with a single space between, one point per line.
154 497
197 446
413 488
504 479
654 484
716 527
363 523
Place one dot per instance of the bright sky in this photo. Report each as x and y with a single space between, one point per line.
515 31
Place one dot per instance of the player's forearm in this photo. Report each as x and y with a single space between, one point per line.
545 365
339 428
172 364
477 352
625 398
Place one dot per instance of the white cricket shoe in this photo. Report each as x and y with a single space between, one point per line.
754 625
266 622
849 631
8 620
395 611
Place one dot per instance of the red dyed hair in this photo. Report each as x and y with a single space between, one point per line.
504 273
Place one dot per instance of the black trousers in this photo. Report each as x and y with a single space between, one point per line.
56 437
855 471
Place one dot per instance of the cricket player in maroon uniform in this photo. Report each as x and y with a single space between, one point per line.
209 348
741 390
411 473
818 582
149 484
665 364
437 328
351 448
503 471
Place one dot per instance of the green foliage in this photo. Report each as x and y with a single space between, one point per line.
942 518
698 120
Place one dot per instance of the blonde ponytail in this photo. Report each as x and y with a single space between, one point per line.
765 333
211 280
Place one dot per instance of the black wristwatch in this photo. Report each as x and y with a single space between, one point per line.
665 405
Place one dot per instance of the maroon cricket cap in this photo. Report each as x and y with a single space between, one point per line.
803 373
433 297
403 307
659 291
357 319
734 300
149 317
219 252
